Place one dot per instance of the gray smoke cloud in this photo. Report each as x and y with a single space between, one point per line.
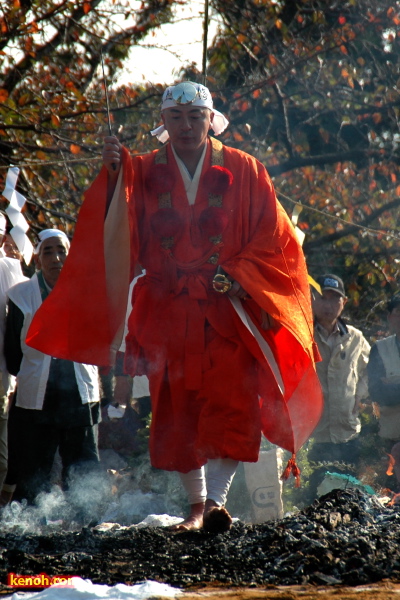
125 496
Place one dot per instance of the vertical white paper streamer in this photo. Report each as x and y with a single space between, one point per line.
13 211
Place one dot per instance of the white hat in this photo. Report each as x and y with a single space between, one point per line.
188 92
48 233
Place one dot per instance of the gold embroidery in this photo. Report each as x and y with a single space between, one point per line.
161 156
213 258
214 200
165 201
217 159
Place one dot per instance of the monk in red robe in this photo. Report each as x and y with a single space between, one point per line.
221 322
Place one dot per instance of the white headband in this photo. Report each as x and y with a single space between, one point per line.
48 233
194 94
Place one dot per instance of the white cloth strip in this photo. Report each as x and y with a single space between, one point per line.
220 472
194 484
264 346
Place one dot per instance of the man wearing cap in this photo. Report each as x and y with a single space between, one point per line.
56 404
343 376
384 379
221 323
10 274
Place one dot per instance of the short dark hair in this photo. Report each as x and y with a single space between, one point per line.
393 302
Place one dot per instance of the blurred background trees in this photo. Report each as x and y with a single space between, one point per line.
311 89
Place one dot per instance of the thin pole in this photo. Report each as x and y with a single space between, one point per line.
205 36
106 91
113 165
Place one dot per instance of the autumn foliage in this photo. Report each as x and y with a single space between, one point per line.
310 88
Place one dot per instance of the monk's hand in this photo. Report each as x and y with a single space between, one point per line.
112 155
237 291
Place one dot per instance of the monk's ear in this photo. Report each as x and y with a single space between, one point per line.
211 119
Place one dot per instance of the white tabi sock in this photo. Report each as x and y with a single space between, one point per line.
220 472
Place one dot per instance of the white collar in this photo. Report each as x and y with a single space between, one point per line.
191 183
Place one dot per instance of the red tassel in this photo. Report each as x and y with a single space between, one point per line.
292 469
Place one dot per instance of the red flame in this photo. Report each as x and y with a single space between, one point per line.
392 462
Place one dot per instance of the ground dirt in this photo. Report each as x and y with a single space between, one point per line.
381 591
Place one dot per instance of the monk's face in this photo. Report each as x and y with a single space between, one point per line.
188 127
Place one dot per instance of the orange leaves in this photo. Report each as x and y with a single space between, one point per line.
346 75
33 27
86 6
3 26
3 95
241 38
237 136
308 173
55 120
28 45
343 49
75 149
377 118
22 100
40 217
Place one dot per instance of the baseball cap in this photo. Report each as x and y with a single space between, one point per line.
331 282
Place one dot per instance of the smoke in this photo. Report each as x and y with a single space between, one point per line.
126 497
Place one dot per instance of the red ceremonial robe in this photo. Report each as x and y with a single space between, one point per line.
212 390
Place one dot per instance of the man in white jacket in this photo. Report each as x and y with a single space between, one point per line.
384 386
343 377
10 274
57 401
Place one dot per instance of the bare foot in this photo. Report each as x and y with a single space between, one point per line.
193 521
216 519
